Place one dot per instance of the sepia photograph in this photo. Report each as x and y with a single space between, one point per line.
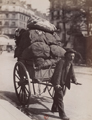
45 59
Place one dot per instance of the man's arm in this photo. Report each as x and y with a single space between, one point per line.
74 80
56 77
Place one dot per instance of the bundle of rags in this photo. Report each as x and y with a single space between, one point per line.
38 23
39 44
43 49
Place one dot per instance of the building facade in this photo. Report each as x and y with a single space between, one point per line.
13 14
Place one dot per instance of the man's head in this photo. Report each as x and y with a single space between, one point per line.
70 55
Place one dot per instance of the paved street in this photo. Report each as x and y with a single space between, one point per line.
77 101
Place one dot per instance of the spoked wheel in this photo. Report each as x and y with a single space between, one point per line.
51 91
21 83
39 89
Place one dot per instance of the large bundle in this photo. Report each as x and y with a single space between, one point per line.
40 49
50 39
56 36
57 51
43 63
38 23
44 46
36 36
40 42
36 50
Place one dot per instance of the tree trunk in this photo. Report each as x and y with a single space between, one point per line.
64 25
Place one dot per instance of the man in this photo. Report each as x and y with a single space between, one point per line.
62 75
19 37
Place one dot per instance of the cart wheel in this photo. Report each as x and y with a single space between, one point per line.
33 88
51 91
39 89
21 83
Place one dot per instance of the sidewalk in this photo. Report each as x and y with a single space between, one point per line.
9 112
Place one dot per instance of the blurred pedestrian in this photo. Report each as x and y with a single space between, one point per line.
1 50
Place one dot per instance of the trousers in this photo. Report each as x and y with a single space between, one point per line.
58 102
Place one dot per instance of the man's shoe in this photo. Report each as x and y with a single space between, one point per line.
64 117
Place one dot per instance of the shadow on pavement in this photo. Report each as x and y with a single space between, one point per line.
38 106
37 101
10 97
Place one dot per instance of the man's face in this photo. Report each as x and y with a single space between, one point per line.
70 57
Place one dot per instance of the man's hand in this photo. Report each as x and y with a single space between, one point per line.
58 87
76 83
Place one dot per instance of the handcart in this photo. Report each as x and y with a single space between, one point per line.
25 87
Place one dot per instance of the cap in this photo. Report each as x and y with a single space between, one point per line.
69 50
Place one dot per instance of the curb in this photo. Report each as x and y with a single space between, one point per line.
8 111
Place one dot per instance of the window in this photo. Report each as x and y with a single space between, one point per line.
24 18
13 8
13 2
7 15
20 16
13 31
6 31
13 24
6 23
13 15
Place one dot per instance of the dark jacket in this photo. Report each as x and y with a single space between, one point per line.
57 76
23 44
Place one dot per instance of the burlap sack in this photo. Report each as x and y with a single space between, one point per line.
36 36
38 23
50 39
40 49
57 51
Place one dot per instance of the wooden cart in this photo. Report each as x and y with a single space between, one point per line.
25 87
